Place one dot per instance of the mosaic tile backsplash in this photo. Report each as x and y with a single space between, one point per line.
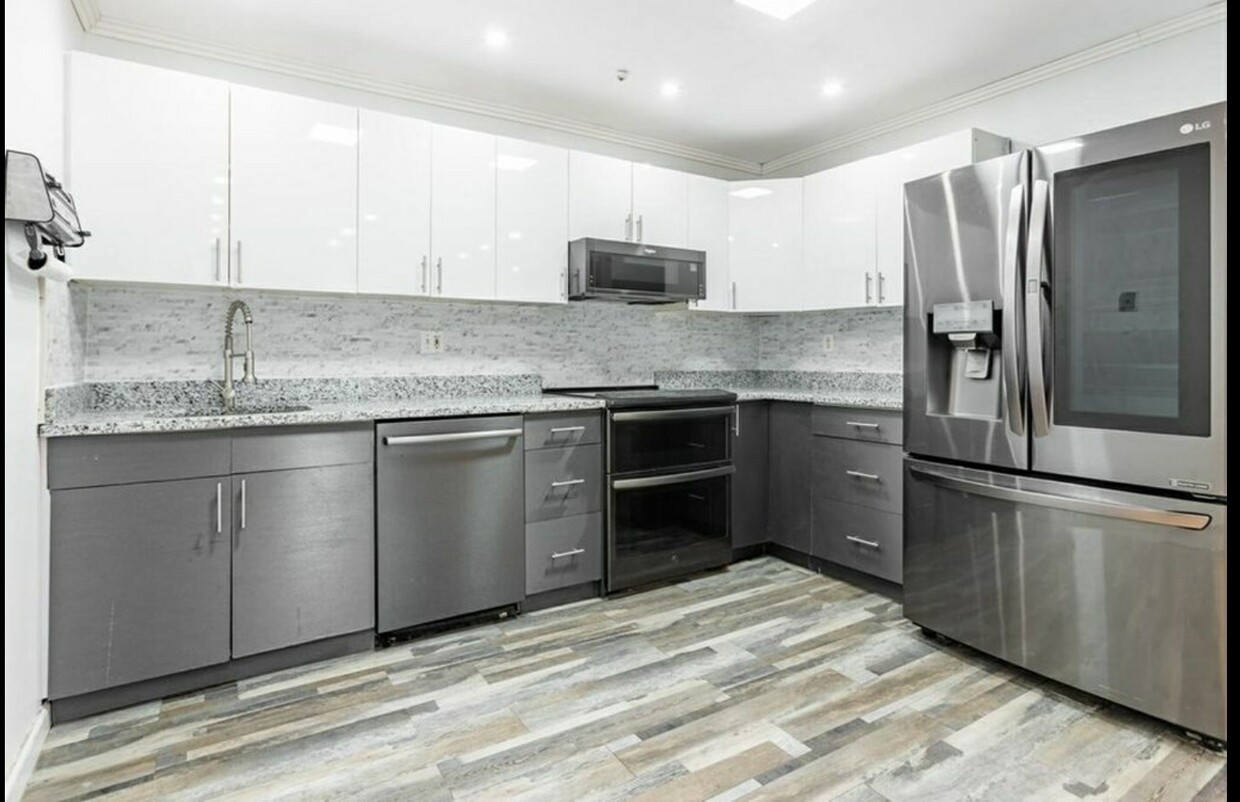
111 333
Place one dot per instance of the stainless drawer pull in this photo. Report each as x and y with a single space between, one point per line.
243 504
568 482
567 429
869 544
219 508
872 477
559 555
861 424
451 437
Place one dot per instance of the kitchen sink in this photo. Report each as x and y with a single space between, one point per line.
270 409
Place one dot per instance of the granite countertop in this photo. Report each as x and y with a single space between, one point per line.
187 406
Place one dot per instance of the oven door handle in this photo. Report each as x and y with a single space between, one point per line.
670 414
671 478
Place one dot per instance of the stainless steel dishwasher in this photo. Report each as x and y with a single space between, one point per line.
450 517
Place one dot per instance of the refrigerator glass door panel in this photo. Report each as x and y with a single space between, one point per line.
963 391
1133 299
1120 594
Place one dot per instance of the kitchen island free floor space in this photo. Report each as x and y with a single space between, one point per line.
763 681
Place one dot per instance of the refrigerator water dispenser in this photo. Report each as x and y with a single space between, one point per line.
965 359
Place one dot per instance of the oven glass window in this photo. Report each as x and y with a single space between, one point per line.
669 529
1131 279
678 442
644 274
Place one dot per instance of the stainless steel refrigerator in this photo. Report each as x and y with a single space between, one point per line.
1065 412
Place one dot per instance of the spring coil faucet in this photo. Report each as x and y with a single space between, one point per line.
228 392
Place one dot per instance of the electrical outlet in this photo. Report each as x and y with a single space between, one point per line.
432 342
828 343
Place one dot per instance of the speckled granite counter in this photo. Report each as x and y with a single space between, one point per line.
862 389
129 408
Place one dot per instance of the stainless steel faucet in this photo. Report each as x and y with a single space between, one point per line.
228 393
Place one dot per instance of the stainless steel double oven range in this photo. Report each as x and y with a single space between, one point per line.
1066 412
669 482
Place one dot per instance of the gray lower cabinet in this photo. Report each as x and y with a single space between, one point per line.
862 538
750 483
790 459
139 582
563 552
303 556
563 481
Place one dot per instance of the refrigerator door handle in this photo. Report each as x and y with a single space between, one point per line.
1036 284
1107 509
1012 351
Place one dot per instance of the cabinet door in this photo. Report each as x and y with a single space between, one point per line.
765 259
463 212
660 206
303 556
394 204
708 231
897 168
531 247
751 455
790 475
138 582
840 236
294 192
600 197
147 154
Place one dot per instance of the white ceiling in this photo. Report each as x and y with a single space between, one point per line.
751 86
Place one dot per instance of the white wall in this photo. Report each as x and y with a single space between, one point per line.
1165 77
36 34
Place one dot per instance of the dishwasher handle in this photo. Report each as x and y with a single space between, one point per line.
451 437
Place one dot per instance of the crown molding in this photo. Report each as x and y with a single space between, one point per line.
154 37
1114 47
88 13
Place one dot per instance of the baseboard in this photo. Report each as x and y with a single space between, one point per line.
27 756
891 590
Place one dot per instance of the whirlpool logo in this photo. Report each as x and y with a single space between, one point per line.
1188 128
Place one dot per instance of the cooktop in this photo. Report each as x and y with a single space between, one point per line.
651 396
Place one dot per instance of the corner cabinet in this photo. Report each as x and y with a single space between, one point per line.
294 192
174 552
147 163
531 216
765 257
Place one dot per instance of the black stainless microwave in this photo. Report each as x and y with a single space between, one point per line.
601 269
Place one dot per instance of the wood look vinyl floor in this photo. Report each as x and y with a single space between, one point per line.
761 682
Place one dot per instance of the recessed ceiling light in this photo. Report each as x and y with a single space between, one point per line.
779 9
496 37
750 192
832 88
1063 147
669 89
514 164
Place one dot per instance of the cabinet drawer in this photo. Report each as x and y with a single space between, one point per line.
862 538
876 425
869 474
563 481
301 447
563 552
561 429
118 459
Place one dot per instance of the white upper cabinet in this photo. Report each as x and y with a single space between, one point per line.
765 259
394 204
840 237
147 163
708 231
600 197
531 247
660 206
294 192
462 213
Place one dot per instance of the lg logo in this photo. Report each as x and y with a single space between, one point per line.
1188 128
